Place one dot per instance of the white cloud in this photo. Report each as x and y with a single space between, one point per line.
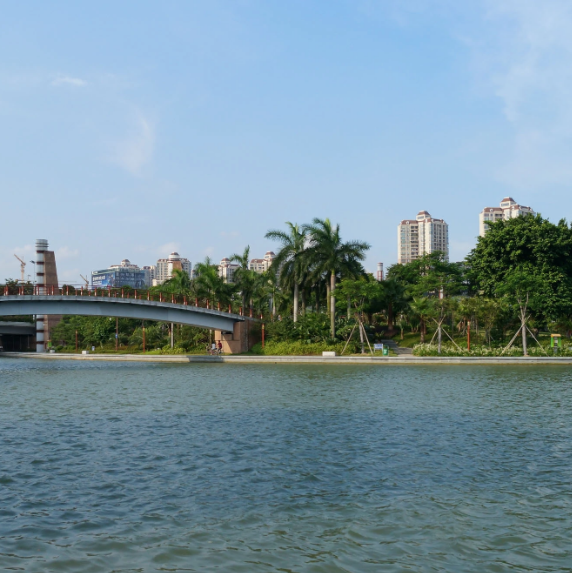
135 151
68 81
527 58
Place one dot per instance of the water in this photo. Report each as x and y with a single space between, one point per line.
262 468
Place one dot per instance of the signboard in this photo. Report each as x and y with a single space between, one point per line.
378 346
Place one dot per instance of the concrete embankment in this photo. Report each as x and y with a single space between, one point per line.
246 359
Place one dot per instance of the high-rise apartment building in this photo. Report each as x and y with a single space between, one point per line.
262 265
420 236
226 270
165 267
509 209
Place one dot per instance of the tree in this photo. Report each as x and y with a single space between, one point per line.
179 283
289 264
244 277
333 257
429 275
209 285
527 245
522 287
422 308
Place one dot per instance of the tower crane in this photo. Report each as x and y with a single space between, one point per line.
86 281
22 269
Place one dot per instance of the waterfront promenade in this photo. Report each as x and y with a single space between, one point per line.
407 360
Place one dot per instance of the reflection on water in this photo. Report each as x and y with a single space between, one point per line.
257 468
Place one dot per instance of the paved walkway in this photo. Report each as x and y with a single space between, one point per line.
408 360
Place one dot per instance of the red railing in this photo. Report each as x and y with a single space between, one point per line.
109 292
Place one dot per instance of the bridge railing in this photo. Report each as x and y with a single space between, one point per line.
124 293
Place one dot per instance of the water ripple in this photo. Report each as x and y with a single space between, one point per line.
142 467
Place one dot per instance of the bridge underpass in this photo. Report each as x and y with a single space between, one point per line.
17 336
232 329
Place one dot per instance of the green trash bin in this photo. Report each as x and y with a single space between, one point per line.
385 351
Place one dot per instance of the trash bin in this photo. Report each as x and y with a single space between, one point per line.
385 351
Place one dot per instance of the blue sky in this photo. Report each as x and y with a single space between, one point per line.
131 129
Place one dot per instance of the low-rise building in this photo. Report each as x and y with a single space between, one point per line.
508 209
124 274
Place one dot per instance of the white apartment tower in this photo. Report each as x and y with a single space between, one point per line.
262 265
226 270
420 236
164 269
509 209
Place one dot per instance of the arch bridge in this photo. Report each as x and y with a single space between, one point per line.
231 328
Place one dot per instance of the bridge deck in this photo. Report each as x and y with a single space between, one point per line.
21 305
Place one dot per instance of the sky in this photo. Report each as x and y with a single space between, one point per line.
132 129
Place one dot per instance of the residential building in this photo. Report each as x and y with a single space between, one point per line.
226 270
379 274
165 267
420 236
149 274
262 265
509 209
124 274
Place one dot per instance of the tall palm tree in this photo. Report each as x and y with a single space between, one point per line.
179 283
289 263
243 276
332 256
209 284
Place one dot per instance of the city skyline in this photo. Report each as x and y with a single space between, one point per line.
177 126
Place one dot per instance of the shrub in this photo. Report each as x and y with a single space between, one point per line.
299 348
450 350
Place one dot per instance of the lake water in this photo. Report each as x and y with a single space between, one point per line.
292 468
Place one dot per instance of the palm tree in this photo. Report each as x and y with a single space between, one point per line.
243 276
289 263
209 284
179 283
331 255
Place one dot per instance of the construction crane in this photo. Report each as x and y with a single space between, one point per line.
86 281
22 269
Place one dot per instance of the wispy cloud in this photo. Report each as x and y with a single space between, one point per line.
68 81
134 152
528 62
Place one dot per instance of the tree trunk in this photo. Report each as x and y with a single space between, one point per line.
296 288
390 318
361 338
422 327
333 304
303 296
349 308
523 328
439 336
328 301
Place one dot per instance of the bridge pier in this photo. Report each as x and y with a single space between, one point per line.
243 337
